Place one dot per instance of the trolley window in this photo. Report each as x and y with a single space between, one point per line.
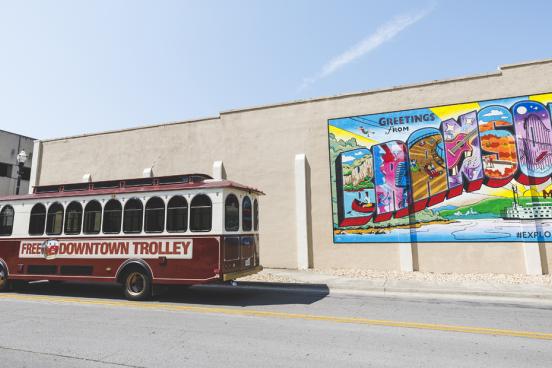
246 213
255 215
200 213
133 216
93 218
6 220
54 219
112 217
155 215
177 214
38 219
73 218
232 213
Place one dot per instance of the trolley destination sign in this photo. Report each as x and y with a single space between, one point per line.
177 248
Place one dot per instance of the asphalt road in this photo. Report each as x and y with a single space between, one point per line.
72 325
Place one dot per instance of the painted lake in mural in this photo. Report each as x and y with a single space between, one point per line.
461 231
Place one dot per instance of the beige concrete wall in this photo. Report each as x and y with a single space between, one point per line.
258 147
471 258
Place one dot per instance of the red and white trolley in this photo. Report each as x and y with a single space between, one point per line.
184 229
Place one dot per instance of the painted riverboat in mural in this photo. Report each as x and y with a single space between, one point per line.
527 211
455 173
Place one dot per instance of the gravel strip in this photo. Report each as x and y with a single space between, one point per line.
268 275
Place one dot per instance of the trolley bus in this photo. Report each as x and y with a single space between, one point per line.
183 229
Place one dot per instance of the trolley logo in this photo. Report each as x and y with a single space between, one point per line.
107 248
49 248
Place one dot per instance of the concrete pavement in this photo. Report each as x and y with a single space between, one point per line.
71 325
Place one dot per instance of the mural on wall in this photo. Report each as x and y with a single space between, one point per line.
472 172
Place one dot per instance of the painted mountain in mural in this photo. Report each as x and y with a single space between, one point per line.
358 174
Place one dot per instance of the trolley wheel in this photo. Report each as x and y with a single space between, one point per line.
3 279
137 285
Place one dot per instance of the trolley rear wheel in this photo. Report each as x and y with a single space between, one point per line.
137 285
19 285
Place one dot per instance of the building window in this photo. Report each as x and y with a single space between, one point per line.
155 215
132 220
177 214
6 220
25 173
93 218
246 213
5 170
73 218
54 219
38 218
112 217
255 215
200 213
232 213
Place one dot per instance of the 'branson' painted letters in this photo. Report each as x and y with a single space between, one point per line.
473 172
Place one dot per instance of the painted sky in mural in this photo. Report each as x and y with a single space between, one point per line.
472 172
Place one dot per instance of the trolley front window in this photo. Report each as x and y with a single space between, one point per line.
247 218
255 215
232 213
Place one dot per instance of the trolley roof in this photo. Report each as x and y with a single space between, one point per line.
136 185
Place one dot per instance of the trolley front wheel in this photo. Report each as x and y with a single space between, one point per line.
3 279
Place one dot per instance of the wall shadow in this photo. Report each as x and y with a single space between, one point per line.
413 241
540 230
544 258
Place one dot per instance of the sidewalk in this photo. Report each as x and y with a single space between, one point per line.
394 282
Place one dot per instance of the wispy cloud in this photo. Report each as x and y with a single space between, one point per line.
494 113
384 33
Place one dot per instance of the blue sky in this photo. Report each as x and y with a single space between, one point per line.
73 67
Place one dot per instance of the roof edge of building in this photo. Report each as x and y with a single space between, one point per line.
367 92
498 72
17 134
525 63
